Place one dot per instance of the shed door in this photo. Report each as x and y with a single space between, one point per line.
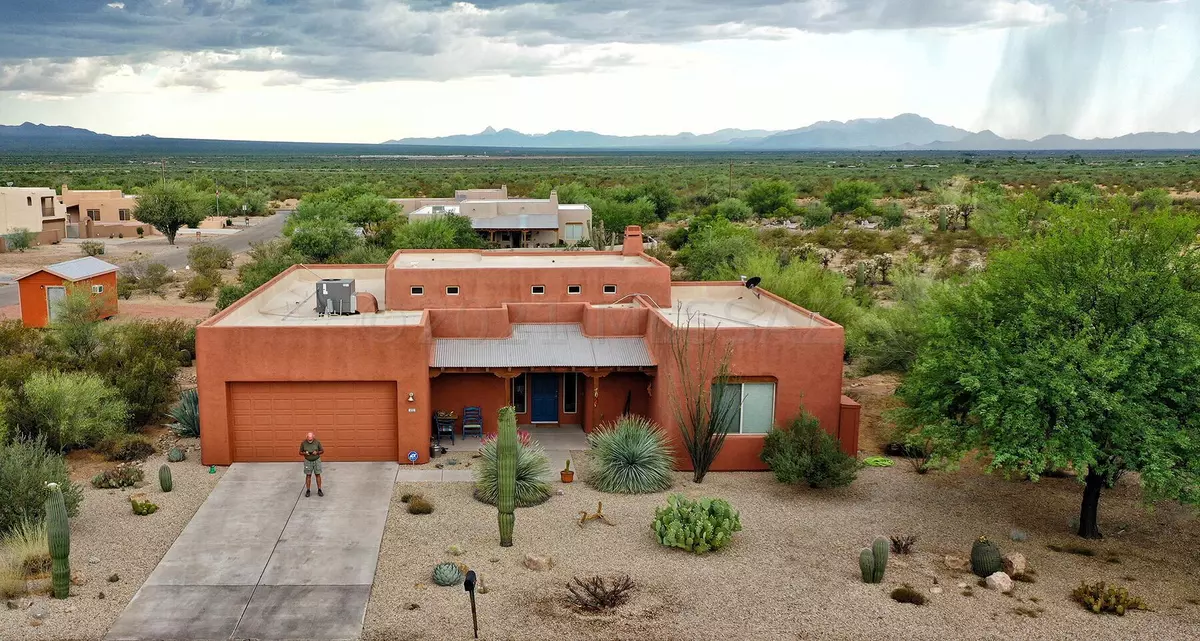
355 421
54 295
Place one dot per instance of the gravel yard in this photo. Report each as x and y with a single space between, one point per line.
108 539
793 571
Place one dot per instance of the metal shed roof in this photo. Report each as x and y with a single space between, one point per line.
517 221
555 345
77 269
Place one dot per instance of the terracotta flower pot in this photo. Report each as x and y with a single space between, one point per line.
567 475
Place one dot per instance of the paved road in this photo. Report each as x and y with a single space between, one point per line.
176 257
261 561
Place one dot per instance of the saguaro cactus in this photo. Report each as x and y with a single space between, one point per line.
873 560
164 478
58 532
506 474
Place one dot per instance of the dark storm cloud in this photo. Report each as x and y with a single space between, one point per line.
365 40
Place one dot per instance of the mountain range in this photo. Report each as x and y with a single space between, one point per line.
906 132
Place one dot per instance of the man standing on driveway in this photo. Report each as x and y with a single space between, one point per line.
311 450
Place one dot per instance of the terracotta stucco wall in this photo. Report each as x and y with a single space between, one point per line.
806 364
495 287
456 391
32 289
109 202
375 353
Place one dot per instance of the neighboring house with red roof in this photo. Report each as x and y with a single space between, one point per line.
41 288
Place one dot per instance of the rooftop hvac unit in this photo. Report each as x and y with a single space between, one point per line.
335 296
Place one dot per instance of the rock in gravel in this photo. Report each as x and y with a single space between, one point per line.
935 590
538 563
1015 563
956 562
455 550
412 606
12 605
35 622
78 578
999 581
93 560
113 578
101 595
37 613
962 585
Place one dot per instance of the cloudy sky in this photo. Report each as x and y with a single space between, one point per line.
371 70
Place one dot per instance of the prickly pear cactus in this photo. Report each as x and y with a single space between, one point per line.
985 558
697 526
447 574
506 474
164 478
59 533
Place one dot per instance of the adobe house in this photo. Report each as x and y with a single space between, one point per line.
507 222
571 339
41 288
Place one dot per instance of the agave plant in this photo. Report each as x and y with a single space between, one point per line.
532 466
630 456
187 414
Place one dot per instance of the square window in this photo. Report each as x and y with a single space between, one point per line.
610 289
93 214
749 407
537 290
573 232
574 289
416 290
123 214
452 290
97 289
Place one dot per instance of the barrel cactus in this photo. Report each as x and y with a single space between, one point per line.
447 574
164 478
985 558
506 473
176 455
873 560
58 532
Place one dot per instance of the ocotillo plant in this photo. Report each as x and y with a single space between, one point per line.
59 534
506 474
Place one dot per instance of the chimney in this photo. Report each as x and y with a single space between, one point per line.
633 241
554 197
504 191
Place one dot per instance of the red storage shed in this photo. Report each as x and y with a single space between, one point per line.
41 288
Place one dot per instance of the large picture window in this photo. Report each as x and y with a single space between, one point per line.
518 393
573 232
752 406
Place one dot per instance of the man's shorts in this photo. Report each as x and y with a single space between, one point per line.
312 467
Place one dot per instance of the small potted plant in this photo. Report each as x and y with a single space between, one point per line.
567 474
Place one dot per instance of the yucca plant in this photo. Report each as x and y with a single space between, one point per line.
532 467
187 414
630 456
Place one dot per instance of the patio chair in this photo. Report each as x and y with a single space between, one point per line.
472 421
443 426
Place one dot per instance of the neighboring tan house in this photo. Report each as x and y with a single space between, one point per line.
36 209
41 288
508 222
101 213
571 339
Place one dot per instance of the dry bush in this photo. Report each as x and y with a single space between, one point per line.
597 593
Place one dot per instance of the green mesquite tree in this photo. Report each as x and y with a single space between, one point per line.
506 474
1078 348
170 207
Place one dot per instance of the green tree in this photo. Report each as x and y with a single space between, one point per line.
322 238
734 209
849 195
716 248
75 329
70 409
170 207
1077 349
440 232
766 197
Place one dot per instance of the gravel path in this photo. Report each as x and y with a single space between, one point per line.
793 572
107 539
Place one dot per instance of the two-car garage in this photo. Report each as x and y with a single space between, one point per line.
354 420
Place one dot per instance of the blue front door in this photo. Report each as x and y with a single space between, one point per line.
544 390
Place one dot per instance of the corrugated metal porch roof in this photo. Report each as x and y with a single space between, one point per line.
552 345
517 221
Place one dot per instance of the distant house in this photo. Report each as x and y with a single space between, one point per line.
508 222
36 209
41 288
102 213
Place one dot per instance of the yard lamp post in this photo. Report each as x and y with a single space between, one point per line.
469 586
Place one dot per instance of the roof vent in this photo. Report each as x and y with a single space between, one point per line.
335 297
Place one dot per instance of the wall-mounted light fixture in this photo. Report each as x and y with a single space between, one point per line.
412 398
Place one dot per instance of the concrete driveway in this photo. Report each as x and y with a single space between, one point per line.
261 561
